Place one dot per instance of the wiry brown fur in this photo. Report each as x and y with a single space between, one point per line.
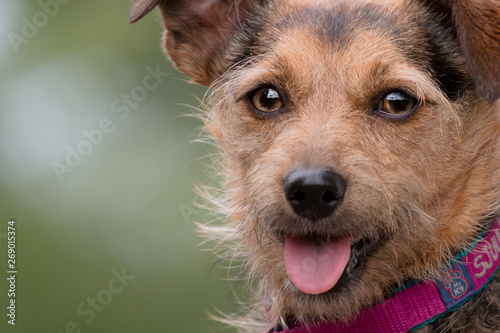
428 183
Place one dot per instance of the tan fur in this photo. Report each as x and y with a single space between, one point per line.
429 182
454 196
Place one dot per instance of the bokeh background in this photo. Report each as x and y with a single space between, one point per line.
123 207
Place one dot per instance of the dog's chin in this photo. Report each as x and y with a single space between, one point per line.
358 286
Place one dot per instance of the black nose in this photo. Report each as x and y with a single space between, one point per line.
314 193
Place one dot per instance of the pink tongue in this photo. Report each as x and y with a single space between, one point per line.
313 267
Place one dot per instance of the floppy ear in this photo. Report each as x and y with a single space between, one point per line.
478 29
140 8
199 33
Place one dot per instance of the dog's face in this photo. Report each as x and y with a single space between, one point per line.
349 131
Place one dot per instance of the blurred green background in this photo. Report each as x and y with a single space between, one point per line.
105 241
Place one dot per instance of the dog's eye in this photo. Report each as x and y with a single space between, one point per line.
397 103
266 99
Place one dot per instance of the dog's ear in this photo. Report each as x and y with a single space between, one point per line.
140 8
477 24
198 33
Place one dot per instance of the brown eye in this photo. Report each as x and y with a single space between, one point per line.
397 103
266 99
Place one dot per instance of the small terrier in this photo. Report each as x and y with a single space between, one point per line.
361 156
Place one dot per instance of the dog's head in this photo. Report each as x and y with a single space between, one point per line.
360 137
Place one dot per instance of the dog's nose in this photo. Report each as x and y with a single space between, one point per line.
314 193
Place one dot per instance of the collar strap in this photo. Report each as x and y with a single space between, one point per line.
424 301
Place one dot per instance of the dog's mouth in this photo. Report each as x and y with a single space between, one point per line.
316 266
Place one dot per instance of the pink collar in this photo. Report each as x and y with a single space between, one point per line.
422 302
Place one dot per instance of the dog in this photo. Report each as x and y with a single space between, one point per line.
361 156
